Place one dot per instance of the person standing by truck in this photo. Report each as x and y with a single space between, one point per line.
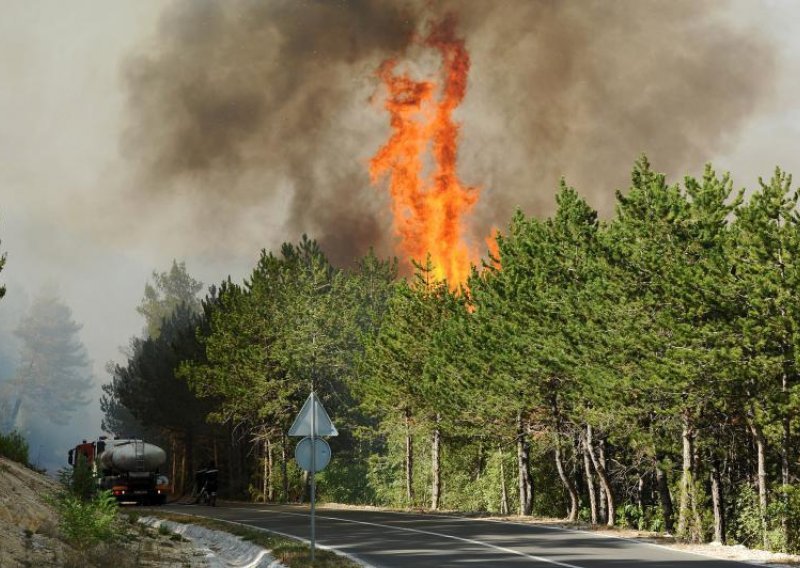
207 480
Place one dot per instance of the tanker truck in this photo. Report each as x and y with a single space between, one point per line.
128 467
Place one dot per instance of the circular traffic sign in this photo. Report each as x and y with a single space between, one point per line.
322 454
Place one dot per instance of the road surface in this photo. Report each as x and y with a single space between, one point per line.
388 540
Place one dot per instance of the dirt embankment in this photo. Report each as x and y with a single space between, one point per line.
29 534
28 525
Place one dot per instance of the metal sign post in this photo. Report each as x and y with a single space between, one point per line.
313 421
313 471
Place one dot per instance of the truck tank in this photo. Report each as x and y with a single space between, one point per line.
132 456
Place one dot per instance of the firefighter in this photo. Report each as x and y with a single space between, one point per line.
211 483
206 480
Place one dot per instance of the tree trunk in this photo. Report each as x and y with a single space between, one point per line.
265 478
188 444
183 470
601 455
174 467
503 489
663 495
480 462
436 465
235 471
231 462
786 436
716 499
587 468
640 496
243 469
761 452
689 523
788 355
524 480
565 480
284 469
568 485
785 442
409 461
686 479
600 468
602 504
270 473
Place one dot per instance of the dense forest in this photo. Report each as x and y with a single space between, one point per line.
636 371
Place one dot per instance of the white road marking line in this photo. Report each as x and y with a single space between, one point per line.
441 535
335 549
595 534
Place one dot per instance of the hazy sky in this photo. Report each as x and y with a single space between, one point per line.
108 170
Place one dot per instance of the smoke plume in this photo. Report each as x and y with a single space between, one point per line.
262 115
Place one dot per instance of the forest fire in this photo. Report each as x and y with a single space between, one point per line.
428 207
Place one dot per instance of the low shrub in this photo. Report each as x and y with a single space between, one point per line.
14 447
87 517
86 524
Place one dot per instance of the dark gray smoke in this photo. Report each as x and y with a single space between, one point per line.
259 110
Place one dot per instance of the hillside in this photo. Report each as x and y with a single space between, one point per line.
28 526
29 534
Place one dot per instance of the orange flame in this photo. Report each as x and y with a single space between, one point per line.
428 212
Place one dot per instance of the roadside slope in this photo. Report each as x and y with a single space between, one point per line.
28 524
29 534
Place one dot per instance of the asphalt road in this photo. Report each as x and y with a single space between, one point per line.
384 539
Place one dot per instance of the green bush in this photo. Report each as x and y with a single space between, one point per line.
345 481
784 506
649 518
86 524
783 519
385 476
746 526
14 447
630 516
87 517
386 471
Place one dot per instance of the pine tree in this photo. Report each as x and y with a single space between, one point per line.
671 245
768 274
54 376
398 376
168 291
145 397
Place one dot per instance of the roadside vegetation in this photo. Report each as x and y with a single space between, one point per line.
91 523
87 516
14 447
641 371
33 533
